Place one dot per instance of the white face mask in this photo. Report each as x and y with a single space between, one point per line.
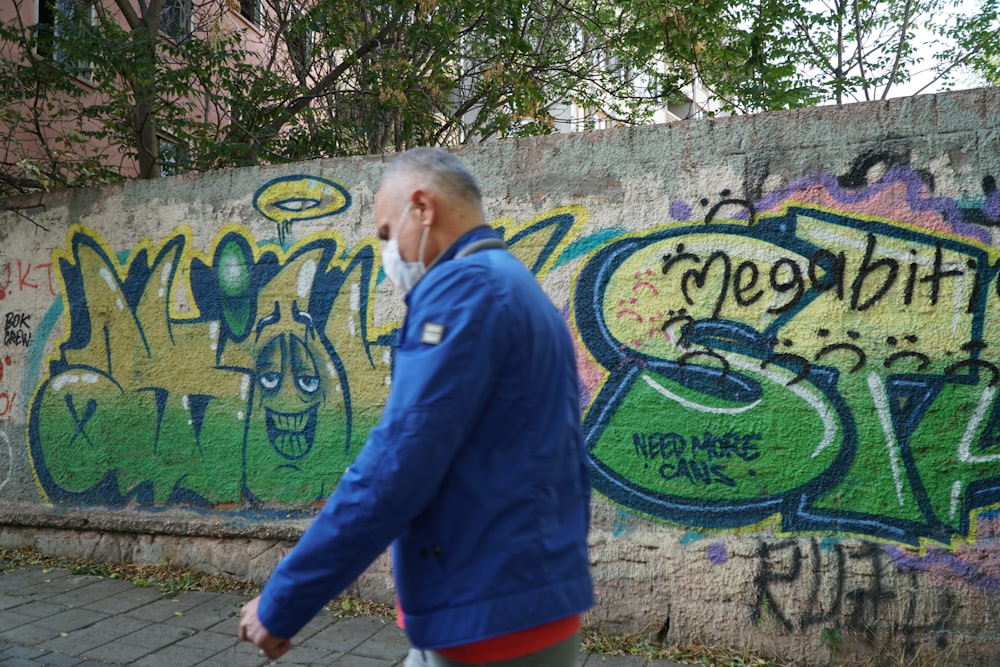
404 275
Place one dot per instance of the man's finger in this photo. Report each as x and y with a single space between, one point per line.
275 650
248 616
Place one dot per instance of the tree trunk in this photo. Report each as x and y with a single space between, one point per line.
146 134
145 131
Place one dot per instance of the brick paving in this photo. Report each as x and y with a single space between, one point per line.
57 619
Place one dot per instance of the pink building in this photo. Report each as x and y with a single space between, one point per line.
46 127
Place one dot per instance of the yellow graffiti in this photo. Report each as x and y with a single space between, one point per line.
294 198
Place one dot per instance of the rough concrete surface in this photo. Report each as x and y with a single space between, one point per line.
787 329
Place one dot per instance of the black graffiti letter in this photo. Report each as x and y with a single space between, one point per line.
670 260
699 278
935 276
974 294
911 278
833 267
868 267
867 599
794 283
766 576
819 611
739 288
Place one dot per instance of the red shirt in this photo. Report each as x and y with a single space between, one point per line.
509 646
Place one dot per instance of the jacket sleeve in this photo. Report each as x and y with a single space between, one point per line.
443 373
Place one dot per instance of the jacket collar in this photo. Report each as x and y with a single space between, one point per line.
471 236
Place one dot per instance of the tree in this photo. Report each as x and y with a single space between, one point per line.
758 55
89 80
337 77
46 141
368 77
346 77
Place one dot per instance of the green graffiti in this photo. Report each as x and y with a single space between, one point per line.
834 373
245 378
242 397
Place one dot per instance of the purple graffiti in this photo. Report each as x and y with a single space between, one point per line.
916 198
991 207
717 553
945 563
680 210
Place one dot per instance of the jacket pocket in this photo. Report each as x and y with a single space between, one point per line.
423 544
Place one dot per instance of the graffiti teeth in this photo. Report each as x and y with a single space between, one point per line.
290 422
291 434
291 445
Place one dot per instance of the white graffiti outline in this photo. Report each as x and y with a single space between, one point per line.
965 446
691 404
956 491
810 397
877 389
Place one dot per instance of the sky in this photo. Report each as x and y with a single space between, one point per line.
927 48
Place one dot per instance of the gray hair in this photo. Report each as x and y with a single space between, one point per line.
437 168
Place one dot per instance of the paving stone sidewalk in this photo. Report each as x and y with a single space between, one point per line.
59 619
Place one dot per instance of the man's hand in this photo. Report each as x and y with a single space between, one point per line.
252 630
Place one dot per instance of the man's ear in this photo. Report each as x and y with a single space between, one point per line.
426 206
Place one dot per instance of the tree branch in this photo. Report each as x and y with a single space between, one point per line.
907 16
289 111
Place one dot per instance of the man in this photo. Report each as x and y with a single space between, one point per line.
477 471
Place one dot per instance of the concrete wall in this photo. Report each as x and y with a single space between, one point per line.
787 332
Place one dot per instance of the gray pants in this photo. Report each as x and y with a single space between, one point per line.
563 654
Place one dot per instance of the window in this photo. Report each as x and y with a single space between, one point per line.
250 10
175 21
60 25
171 154
300 41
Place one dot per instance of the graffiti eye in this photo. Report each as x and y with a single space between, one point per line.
303 366
296 204
270 381
308 383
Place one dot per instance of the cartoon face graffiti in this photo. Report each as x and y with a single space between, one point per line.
298 428
290 390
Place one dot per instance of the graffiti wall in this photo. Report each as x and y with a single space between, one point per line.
787 340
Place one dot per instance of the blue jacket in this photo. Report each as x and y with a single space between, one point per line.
476 473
